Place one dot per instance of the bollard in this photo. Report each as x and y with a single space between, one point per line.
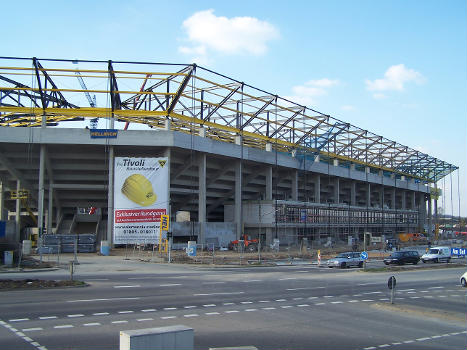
71 270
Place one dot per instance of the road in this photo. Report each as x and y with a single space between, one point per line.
283 307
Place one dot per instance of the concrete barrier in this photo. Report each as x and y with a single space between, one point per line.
177 337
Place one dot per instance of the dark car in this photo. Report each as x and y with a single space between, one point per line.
403 257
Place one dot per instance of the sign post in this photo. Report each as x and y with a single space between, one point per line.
319 257
364 256
392 287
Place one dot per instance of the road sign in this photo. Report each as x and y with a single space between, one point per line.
392 282
458 251
364 255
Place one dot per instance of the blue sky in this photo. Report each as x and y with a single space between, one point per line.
396 68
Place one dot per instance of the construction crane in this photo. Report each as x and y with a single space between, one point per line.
91 100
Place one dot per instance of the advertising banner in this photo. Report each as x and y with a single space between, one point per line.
141 196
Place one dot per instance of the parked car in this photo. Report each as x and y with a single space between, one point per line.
403 257
464 280
347 259
437 254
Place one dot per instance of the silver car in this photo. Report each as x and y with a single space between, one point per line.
347 259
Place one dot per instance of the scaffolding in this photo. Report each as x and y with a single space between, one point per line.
192 99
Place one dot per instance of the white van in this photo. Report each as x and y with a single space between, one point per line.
437 254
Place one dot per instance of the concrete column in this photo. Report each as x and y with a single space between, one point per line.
414 201
353 192
368 195
202 195
404 202
18 213
41 194
238 197
317 188
50 209
430 216
268 174
335 162
336 191
295 185
421 212
393 198
381 196
110 196
2 202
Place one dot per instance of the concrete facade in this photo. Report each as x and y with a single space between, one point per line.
63 168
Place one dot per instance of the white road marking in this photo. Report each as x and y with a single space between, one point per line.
75 315
228 304
435 287
170 308
116 322
32 329
365 284
189 307
292 289
129 286
415 297
249 310
423 339
409 341
142 278
286 306
311 298
211 313
455 333
320 303
125 312
406 290
383 299
303 305
369 348
336 302
411 292
442 296
265 301
91 324
231 311
18 319
191 315
353 301
328 296
101 299
297 298
47 317
246 302
148 310
168 317
281 299
269 308
212 282
248 281
145 319
436 336
383 346
170 285
100 314
209 305
372 293
227 293
288 278
367 300
64 326
396 343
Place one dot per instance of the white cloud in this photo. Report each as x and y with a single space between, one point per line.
307 93
394 79
207 33
348 108
379 96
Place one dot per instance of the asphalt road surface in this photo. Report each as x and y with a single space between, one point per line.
284 307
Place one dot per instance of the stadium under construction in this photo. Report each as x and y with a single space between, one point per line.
240 160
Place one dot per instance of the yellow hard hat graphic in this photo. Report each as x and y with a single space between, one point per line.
139 190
